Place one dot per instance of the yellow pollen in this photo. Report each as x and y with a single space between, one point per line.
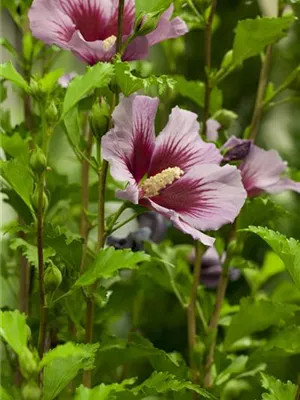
109 42
153 185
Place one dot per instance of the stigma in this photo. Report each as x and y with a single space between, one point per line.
109 42
153 185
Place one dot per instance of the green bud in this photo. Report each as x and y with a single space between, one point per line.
51 113
99 118
225 117
31 391
38 161
146 23
35 198
27 43
28 363
227 60
35 88
52 278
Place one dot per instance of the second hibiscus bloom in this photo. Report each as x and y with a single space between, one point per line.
176 174
89 28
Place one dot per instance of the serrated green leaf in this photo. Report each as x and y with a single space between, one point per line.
30 251
278 390
287 339
287 249
15 146
258 211
63 363
163 382
129 83
97 76
13 329
255 316
102 392
118 351
18 176
8 72
108 262
253 35
49 81
195 90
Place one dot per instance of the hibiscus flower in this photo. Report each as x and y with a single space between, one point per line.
89 28
176 174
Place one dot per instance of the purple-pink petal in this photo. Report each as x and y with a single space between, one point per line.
132 140
174 217
166 28
179 144
206 197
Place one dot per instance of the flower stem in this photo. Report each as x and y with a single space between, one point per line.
85 172
213 325
259 102
40 246
120 25
208 85
191 312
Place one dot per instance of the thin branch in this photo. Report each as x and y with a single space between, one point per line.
85 172
259 102
208 86
120 25
40 247
191 312
213 325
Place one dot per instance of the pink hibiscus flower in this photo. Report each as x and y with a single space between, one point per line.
89 28
176 174
262 170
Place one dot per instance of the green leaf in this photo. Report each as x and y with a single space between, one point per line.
72 125
287 339
4 395
4 42
102 392
108 262
15 146
272 265
129 83
163 382
8 71
253 35
146 6
13 329
30 251
195 91
258 211
97 76
278 390
254 316
118 351
18 176
63 363
287 249
49 81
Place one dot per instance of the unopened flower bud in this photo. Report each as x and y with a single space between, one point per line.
99 119
38 161
35 88
146 23
35 199
51 113
238 152
225 117
52 278
31 391
227 59
28 363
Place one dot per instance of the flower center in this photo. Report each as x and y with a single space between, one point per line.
109 42
153 185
